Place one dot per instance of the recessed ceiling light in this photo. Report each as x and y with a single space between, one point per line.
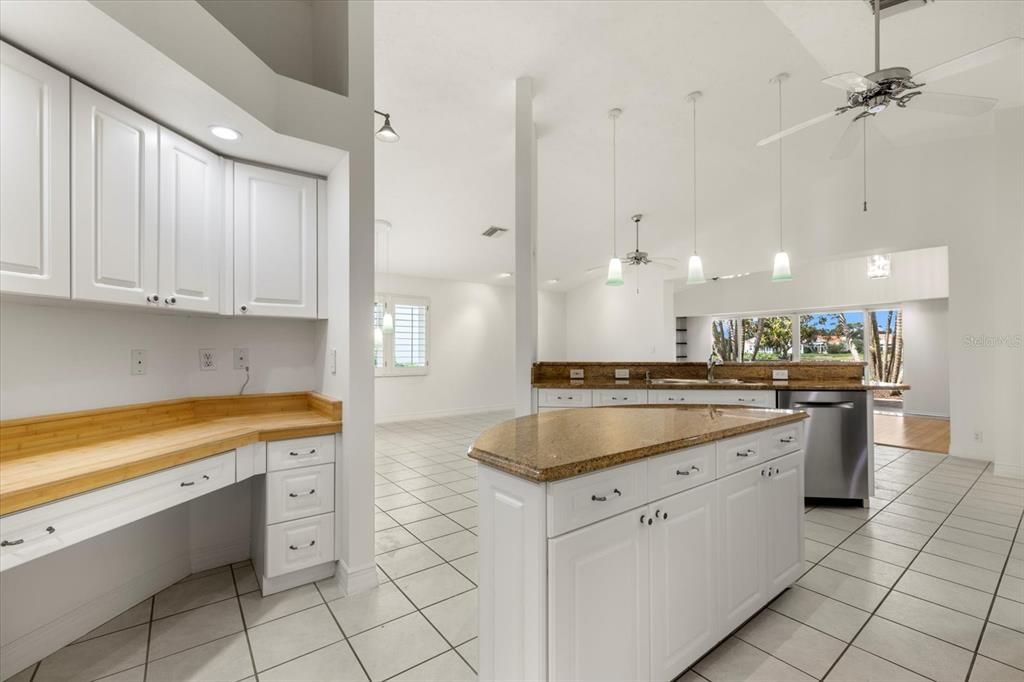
225 133
553 281
504 275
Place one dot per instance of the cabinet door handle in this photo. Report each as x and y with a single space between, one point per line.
170 300
778 471
185 484
244 308
312 491
604 498
153 298
686 472
294 547
296 453
659 515
50 530
746 453
787 439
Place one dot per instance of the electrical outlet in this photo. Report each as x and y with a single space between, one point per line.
622 374
334 361
241 358
207 360
138 366
575 373
979 437
780 374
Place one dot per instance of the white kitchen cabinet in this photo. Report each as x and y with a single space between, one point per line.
35 210
684 580
742 575
275 231
114 201
615 397
599 617
191 223
783 503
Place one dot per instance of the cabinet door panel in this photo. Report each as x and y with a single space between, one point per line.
684 580
35 211
742 588
114 189
599 601
275 243
191 224
783 522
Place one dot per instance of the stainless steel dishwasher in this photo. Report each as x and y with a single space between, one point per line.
836 456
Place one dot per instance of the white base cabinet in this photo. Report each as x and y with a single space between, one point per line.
575 587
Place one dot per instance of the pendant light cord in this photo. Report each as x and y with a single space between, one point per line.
780 166
694 102
865 164
615 246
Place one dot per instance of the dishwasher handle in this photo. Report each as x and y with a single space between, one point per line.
846 405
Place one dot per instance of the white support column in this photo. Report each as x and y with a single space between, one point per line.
525 246
794 321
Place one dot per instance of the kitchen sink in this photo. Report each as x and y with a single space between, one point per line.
683 382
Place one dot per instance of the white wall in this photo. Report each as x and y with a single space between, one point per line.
62 357
551 326
617 323
698 338
926 357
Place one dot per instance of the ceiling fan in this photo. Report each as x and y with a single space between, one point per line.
881 89
638 257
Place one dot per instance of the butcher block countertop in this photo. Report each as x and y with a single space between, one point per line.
43 459
567 443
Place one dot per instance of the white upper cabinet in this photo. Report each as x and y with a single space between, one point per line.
275 243
35 229
191 225
114 196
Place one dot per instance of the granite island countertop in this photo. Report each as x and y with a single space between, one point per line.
793 385
566 443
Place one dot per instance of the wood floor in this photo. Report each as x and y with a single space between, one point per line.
916 433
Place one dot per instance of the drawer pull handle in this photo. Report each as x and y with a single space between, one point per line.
746 453
50 530
312 491
694 469
604 498
787 439
294 547
295 453
185 484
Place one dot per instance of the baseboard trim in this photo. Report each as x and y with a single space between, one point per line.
203 558
289 580
353 582
1008 470
929 415
47 639
434 414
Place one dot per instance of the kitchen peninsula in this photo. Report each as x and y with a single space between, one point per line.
625 543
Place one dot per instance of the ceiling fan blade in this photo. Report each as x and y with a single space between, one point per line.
971 60
664 260
849 140
599 268
850 81
957 105
798 127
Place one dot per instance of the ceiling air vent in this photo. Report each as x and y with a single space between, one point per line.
494 231
890 7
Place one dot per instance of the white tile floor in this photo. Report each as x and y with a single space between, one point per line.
928 583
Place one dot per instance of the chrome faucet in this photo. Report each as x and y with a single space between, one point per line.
713 359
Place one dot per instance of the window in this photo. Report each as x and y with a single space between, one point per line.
404 350
832 337
886 357
767 338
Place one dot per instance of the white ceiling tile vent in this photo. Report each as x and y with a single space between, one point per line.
494 231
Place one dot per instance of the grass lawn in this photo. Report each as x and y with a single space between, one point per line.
832 357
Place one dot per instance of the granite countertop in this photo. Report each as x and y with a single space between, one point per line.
566 443
794 385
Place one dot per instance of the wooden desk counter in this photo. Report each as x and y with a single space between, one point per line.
43 459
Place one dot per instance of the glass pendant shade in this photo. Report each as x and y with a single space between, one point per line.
378 337
695 273
386 133
388 322
781 271
615 273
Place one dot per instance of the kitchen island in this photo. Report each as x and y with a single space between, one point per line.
623 544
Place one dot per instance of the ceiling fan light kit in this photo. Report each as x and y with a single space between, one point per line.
695 271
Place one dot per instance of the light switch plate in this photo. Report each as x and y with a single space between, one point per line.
780 374
575 373
622 374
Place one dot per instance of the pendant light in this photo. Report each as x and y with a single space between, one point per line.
695 271
387 323
780 268
386 133
614 264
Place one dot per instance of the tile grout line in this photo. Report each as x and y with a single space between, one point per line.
149 637
245 627
344 635
992 603
904 572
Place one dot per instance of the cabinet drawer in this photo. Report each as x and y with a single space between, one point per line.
681 470
563 397
611 397
736 454
298 493
744 398
669 397
782 441
294 545
41 530
585 499
299 452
